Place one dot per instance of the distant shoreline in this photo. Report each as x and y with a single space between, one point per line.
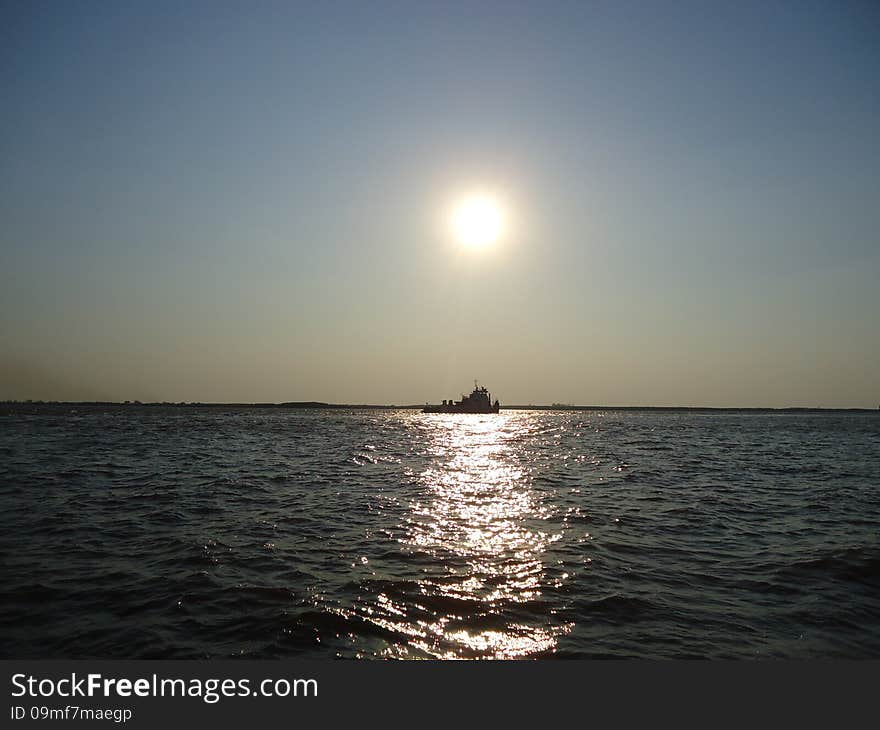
318 405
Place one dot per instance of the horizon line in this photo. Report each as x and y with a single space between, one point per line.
317 405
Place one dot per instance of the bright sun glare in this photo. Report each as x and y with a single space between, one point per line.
478 221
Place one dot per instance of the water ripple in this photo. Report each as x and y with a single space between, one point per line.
189 532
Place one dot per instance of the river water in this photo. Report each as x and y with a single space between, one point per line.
186 532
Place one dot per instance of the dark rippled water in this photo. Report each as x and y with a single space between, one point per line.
187 532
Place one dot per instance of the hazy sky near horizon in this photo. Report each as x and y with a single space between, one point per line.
231 201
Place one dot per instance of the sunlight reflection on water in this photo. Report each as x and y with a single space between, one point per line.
474 519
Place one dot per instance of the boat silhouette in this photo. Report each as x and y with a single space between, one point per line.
479 401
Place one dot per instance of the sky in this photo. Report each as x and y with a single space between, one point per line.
246 202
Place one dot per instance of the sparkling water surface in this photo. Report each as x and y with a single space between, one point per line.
187 532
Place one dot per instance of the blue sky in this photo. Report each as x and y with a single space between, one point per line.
240 201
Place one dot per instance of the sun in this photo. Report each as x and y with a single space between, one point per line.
477 221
